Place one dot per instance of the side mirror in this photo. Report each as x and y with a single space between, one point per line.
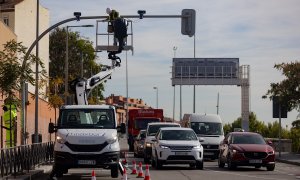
225 141
201 139
52 128
122 128
270 142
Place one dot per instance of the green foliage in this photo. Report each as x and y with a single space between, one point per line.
12 74
295 135
288 90
79 49
271 130
227 128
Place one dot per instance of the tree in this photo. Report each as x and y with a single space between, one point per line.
80 49
12 74
288 90
295 134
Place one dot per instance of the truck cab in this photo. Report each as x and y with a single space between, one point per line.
86 136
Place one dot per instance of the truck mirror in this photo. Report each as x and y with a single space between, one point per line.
122 128
51 128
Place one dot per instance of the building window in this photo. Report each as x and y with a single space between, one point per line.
6 20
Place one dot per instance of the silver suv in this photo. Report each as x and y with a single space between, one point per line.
151 131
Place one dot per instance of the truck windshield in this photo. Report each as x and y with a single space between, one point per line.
87 118
141 123
207 128
152 130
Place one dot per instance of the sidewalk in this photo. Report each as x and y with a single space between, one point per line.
32 174
289 158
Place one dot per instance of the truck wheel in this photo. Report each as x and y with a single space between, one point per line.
146 160
114 171
131 147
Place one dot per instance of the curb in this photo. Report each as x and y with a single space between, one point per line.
27 176
288 162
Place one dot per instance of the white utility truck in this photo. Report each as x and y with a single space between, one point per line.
87 135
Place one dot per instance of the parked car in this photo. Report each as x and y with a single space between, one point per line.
152 129
176 145
138 145
246 149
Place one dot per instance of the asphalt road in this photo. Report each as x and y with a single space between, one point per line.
211 171
182 172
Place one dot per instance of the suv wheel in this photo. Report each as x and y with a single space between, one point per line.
230 164
158 163
153 163
220 163
114 171
146 160
271 167
199 164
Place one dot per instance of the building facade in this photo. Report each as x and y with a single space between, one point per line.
18 21
120 103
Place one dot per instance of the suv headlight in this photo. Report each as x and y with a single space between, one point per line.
148 144
163 147
112 140
197 147
235 151
271 152
60 140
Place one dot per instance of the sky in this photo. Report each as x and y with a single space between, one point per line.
261 33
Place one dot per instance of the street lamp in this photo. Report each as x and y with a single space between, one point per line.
156 96
67 60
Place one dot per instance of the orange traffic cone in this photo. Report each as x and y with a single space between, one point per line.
93 175
134 167
124 174
140 174
147 173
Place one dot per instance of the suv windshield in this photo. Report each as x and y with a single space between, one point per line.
207 128
87 118
178 135
247 139
152 129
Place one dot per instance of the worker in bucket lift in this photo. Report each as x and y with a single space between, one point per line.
112 15
118 26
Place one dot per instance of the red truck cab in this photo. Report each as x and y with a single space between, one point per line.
139 119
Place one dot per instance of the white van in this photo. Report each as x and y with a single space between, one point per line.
210 128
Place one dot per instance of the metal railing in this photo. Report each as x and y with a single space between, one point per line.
19 159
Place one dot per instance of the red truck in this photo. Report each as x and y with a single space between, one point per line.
139 119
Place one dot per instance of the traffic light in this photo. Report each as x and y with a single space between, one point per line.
188 21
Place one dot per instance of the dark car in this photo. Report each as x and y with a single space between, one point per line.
246 149
138 146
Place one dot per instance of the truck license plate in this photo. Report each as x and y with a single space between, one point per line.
86 162
255 161
181 153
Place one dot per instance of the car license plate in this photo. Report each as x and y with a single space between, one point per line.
181 153
255 161
86 162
